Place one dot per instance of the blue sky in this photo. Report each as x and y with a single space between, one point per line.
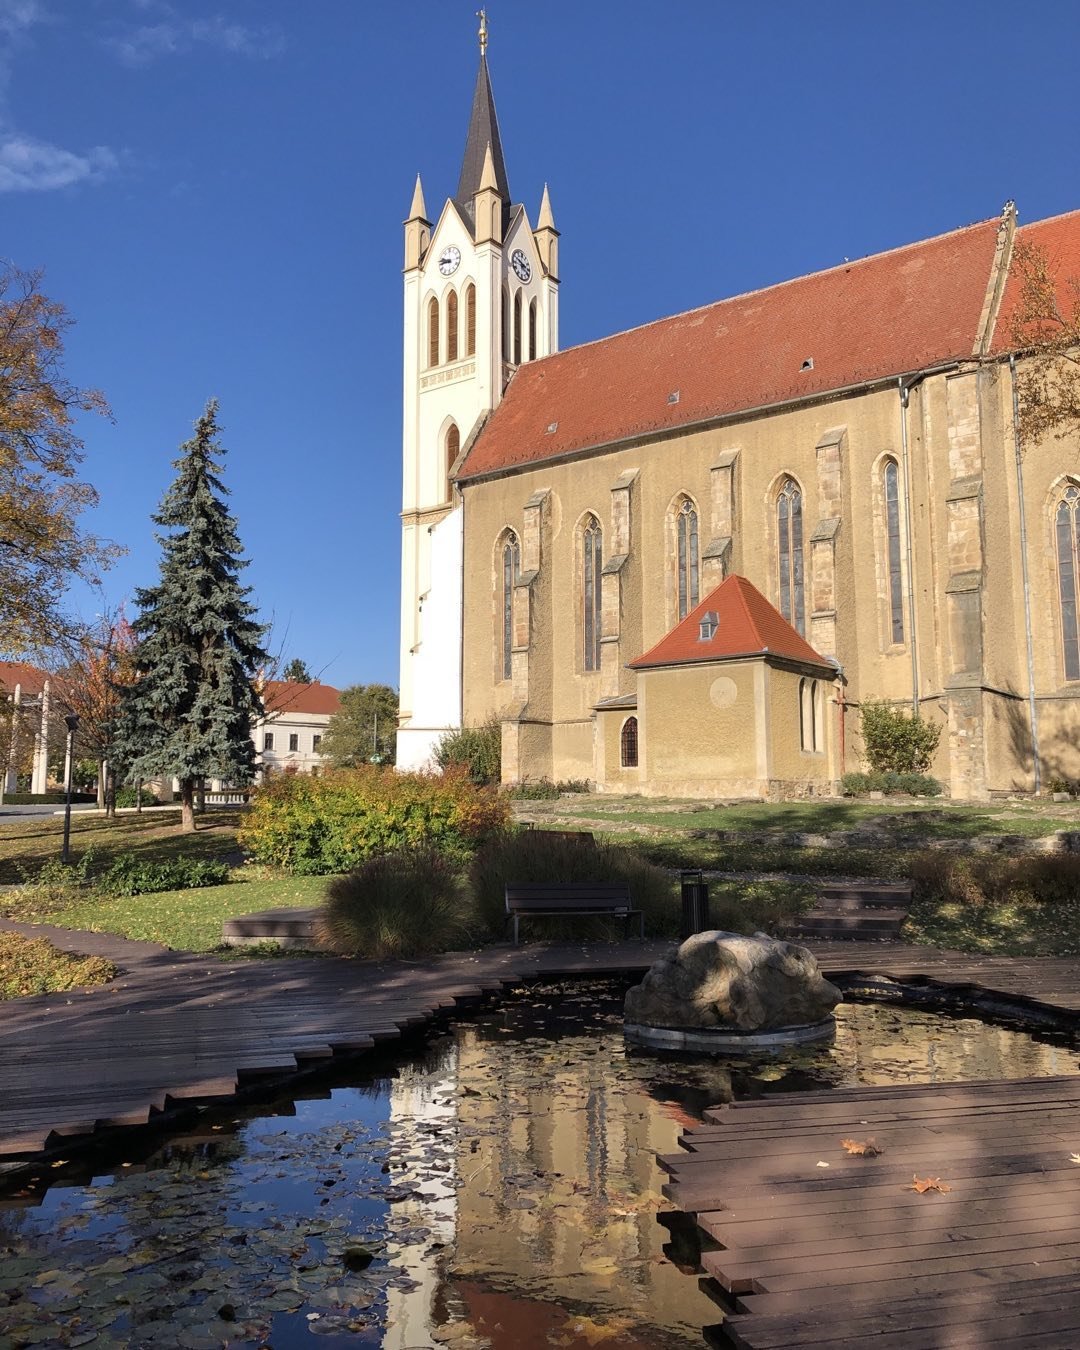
215 189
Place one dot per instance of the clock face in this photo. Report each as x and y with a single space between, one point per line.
521 265
448 260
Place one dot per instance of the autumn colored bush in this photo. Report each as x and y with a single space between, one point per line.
395 905
319 826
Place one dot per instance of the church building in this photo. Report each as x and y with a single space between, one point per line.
674 561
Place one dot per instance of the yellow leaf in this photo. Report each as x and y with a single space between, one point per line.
861 1148
924 1184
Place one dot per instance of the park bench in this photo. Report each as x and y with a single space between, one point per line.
569 899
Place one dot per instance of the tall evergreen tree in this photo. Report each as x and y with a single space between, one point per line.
188 715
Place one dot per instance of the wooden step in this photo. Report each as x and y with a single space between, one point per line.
875 923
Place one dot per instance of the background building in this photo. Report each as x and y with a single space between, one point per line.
287 739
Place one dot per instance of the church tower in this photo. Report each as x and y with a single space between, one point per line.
481 298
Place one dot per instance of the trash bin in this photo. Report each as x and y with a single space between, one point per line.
695 904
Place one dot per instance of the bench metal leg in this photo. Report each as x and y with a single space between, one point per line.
515 930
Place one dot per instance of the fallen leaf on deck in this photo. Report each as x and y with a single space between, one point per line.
1074 1157
924 1184
861 1148
822 1164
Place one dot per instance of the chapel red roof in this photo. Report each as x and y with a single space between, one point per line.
1059 239
747 625
30 678
293 696
889 314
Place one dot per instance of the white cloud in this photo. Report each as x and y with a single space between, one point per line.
29 165
172 37
16 16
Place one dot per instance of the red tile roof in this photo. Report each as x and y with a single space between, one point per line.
30 678
292 696
1059 238
747 626
890 314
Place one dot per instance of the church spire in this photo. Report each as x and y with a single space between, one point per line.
483 133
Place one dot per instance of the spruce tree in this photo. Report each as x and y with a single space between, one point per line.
190 710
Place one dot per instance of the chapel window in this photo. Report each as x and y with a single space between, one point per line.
592 559
686 556
628 744
517 328
511 568
433 332
891 491
453 449
470 320
506 324
1066 532
790 554
451 327
532 330
809 716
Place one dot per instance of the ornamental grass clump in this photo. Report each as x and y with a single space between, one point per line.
320 826
395 905
548 856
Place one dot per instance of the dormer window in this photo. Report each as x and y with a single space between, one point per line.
709 624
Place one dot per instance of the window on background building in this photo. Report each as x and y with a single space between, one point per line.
628 744
1066 533
470 320
790 554
453 449
511 568
592 541
451 326
268 740
316 741
807 716
890 482
506 335
433 332
517 328
532 330
686 551
294 741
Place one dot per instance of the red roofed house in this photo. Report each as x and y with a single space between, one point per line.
844 441
287 739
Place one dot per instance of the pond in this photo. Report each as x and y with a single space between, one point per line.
497 1188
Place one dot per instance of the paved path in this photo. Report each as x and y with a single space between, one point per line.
177 1026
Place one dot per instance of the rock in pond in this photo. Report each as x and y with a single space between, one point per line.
727 980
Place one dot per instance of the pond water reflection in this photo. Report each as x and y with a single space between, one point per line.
497 1190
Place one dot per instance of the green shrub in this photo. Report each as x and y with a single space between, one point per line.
46 798
476 750
978 880
129 875
319 826
395 905
53 887
895 741
854 784
766 905
573 785
915 784
129 796
919 785
540 855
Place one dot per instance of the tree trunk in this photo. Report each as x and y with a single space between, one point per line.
110 792
101 784
187 805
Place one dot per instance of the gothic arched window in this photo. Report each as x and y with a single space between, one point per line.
628 744
453 449
789 554
1066 533
517 328
506 339
433 332
511 567
532 330
686 556
451 327
890 485
592 556
470 320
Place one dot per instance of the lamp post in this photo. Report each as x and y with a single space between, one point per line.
72 726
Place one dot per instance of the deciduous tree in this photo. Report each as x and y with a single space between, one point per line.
1045 330
188 714
42 546
365 730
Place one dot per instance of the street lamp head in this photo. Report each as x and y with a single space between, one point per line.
72 722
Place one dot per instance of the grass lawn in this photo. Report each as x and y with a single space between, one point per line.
153 836
931 818
185 920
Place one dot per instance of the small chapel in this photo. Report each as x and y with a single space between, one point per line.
676 560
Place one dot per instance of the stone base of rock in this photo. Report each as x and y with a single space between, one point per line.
726 1041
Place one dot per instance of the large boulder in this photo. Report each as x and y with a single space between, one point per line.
722 979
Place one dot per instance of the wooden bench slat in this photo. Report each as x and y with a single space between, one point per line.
570 899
